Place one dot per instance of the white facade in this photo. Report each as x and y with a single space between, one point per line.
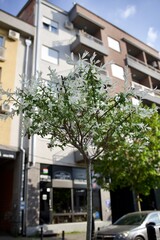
54 40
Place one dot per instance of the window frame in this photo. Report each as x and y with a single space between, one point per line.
50 25
47 57
3 41
114 71
114 44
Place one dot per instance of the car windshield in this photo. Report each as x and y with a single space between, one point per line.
131 219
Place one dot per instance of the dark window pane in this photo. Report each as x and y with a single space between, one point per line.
80 200
53 29
46 26
1 41
96 203
61 200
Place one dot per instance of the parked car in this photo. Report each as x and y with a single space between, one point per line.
131 226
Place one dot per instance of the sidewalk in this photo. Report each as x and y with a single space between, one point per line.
68 236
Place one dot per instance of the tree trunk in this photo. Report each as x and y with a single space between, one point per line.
139 203
89 199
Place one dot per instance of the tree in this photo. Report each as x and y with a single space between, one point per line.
133 159
79 109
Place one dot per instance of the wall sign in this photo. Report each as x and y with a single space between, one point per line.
7 154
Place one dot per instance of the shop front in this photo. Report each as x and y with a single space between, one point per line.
63 198
8 163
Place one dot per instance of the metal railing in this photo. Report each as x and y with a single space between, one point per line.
85 34
143 63
139 88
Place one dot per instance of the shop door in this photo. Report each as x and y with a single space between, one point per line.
6 189
44 207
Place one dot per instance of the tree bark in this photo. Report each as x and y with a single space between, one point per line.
139 203
89 199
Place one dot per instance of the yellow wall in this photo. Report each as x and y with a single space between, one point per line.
7 79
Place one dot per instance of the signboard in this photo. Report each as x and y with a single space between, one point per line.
7 154
45 178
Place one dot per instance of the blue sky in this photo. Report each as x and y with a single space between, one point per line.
140 18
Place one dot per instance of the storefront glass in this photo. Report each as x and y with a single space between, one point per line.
80 200
61 200
68 196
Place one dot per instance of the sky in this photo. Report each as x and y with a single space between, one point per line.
140 18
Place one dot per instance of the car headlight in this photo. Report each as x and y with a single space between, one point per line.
122 235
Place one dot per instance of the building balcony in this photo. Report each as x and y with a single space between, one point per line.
85 42
147 94
142 67
82 19
2 54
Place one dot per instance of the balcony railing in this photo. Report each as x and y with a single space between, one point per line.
141 88
2 54
143 67
152 95
89 41
85 34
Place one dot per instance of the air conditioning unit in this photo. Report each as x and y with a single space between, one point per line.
68 25
13 35
5 108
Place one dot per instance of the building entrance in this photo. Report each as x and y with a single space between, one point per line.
6 189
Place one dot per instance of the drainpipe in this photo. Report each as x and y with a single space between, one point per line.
35 68
28 44
37 36
24 180
35 65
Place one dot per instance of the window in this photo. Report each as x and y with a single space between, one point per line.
50 25
2 49
114 44
80 200
49 54
154 218
0 82
62 200
117 71
0 76
1 41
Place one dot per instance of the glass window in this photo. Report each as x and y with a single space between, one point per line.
50 55
50 25
117 71
61 200
96 203
79 174
114 44
0 75
62 172
154 218
80 200
46 26
54 26
1 41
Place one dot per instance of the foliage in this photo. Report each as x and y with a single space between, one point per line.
133 155
80 109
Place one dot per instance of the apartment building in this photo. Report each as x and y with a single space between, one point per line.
15 58
56 187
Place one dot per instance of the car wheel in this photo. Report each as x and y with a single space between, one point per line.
139 238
